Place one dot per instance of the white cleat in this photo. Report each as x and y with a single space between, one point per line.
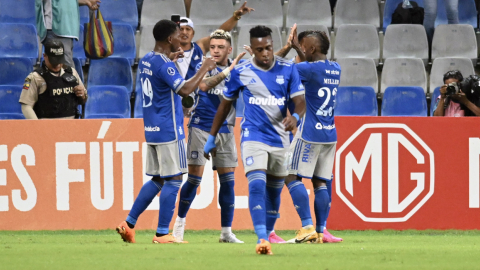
229 238
179 228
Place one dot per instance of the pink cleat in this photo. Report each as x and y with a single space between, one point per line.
275 239
329 238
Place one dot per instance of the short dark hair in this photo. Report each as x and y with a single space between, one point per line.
453 74
301 36
320 36
163 29
260 31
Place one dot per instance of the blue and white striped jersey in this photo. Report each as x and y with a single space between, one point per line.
266 94
162 107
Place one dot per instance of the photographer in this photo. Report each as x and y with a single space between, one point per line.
458 97
54 90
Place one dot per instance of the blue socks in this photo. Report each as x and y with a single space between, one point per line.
256 202
321 207
329 190
272 202
167 204
149 190
187 194
226 198
300 201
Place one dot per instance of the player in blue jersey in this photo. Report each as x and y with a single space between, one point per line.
206 104
162 86
313 148
268 84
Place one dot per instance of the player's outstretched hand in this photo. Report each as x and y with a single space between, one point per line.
174 56
210 147
235 62
209 63
290 123
243 10
248 49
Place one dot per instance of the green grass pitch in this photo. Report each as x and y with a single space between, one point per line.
360 250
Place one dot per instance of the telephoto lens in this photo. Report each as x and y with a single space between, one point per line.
187 102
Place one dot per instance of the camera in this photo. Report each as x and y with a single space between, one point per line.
471 87
452 89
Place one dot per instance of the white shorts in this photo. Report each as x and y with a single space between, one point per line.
226 150
259 156
309 160
166 160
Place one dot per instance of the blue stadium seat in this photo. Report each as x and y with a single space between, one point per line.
78 68
10 108
19 40
404 101
467 13
111 71
85 15
433 100
138 110
121 12
124 43
390 6
18 11
107 101
78 50
13 71
356 100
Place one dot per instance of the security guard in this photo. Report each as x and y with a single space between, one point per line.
54 89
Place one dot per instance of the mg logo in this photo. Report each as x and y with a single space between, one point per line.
384 172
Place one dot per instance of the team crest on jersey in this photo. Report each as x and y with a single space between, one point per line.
249 161
196 120
246 133
280 79
194 154
171 71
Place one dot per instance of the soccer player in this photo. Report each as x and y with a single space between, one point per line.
207 101
268 83
163 119
313 148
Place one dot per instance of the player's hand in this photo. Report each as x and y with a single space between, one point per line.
294 42
235 62
290 123
243 10
79 91
292 35
174 56
93 4
248 49
210 147
209 63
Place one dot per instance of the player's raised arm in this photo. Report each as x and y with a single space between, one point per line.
210 82
192 84
228 25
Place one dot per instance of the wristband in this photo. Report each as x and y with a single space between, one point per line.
226 72
296 116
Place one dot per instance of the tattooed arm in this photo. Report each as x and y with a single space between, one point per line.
211 82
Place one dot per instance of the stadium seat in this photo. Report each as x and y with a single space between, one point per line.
19 40
357 41
124 43
244 38
404 101
467 13
356 101
84 15
107 101
357 12
433 100
78 68
18 11
13 71
78 50
403 72
405 41
309 12
147 41
390 6
111 71
121 12
304 27
201 12
138 109
454 40
358 72
10 108
266 12
156 10
441 65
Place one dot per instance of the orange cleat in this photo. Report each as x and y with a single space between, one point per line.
264 247
127 234
167 239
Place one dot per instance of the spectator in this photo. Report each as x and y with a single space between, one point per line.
430 7
54 90
458 104
60 19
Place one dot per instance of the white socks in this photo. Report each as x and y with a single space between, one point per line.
226 230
